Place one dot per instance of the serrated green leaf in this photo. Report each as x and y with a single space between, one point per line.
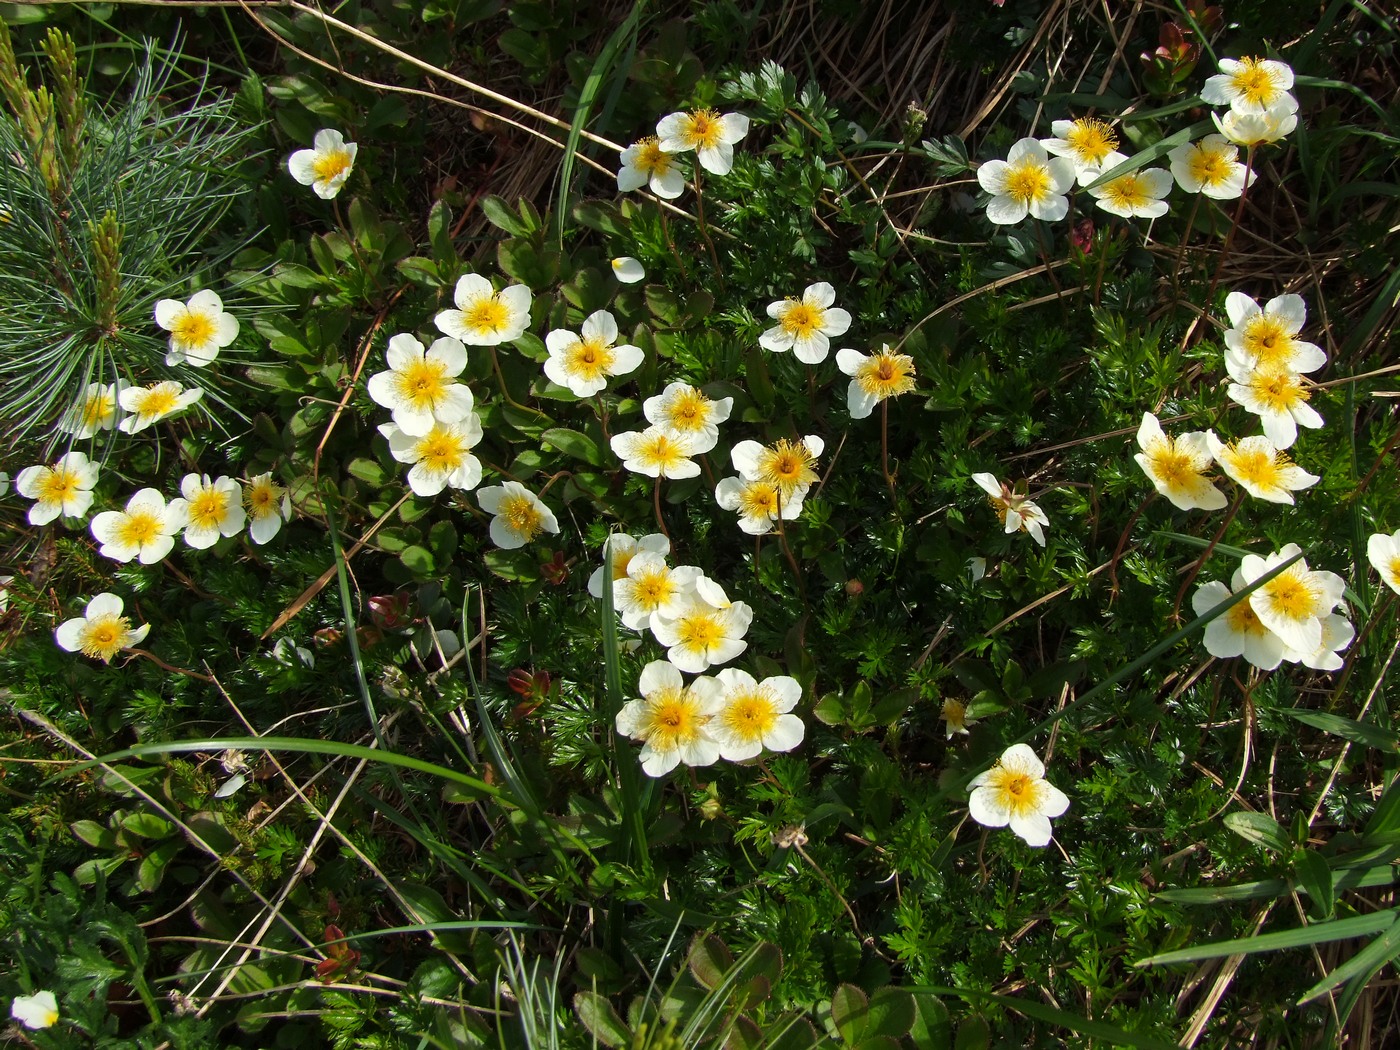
849 1006
418 560
709 959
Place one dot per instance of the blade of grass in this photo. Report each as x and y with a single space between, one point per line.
1302 937
1111 1034
1363 964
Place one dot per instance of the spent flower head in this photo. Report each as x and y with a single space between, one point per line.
325 167
1014 510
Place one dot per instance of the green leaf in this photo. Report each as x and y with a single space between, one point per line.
533 266
1363 964
1259 828
152 867
418 560
745 1035
367 470
709 960
1315 876
1347 729
440 236
147 825
1302 937
94 834
601 1020
421 271
573 443
849 1007
1038 1011
931 1029
973 1034
499 214
600 216
587 290
1385 821
830 710
891 1013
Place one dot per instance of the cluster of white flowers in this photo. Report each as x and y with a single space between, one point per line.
654 162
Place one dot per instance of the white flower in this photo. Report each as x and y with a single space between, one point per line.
1384 554
441 458
145 529
709 134
790 465
874 377
149 405
198 329
1253 129
671 719
1015 792
652 587
628 270
1137 194
1177 466
1238 631
102 631
6 582
98 410
584 362
420 386
1265 338
759 503
708 631
62 489
268 504
754 715
805 325
623 549
1028 182
1293 603
1015 511
686 412
645 163
1337 634
1087 142
484 316
211 509
1210 167
1276 396
955 720
1251 86
518 515
326 167
36 1011
656 452
1264 471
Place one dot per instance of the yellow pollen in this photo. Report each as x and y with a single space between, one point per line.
1091 140
103 636
1243 620
440 451
652 159
520 514
158 400
1395 568
786 464
759 500
208 508
329 166
262 500
750 716
1210 167
654 589
139 529
699 630
1253 81
687 411
487 315
801 320
1027 183
56 486
97 408
1292 596
1016 791
423 382
193 329
1257 467
1128 191
1279 391
590 358
1265 338
704 129
671 720
1175 469
886 375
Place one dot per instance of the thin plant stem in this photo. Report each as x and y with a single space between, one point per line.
505 393
1229 240
169 667
1201 561
1185 236
885 450
670 243
787 551
602 410
1045 257
704 227
656 503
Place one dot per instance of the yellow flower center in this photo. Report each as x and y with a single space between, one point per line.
208 508
1257 467
193 329
1265 337
442 451
1128 191
264 499
955 714
1173 468
671 720
1015 791
487 315
1254 83
158 400
687 410
57 485
1292 596
703 129
589 359
699 630
1091 140
800 320
1395 571
786 464
1243 620
521 515
652 159
751 715
329 166
1027 182
139 528
97 409
654 589
1211 167
423 383
103 636
759 499
1278 391
886 374
660 450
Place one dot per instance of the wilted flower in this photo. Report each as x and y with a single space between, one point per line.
518 515
420 386
1251 86
1028 182
1015 511
686 412
326 167
198 329
149 405
484 316
955 720
671 719
1015 792
874 377
145 529
62 489
102 631
645 163
754 715
805 325
584 363
1264 471
1177 466
709 134
211 509
1210 167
